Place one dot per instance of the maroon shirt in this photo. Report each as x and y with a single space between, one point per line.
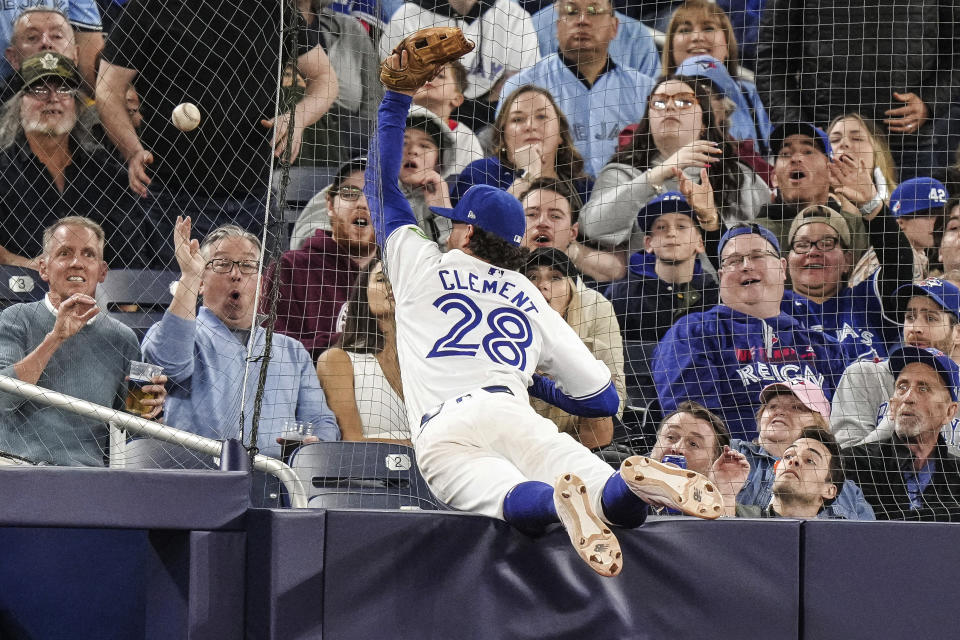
315 282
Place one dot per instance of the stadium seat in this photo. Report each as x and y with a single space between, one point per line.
137 297
304 183
641 416
362 475
19 284
638 358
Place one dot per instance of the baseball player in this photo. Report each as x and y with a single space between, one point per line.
471 331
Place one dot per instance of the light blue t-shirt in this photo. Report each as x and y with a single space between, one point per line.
596 114
82 14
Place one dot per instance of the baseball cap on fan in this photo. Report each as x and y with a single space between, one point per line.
944 293
490 209
669 202
917 196
806 391
940 362
48 64
743 228
783 131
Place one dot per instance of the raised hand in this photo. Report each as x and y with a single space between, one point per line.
436 193
850 178
282 136
908 118
729 472
137 172
529 159
187 251
701 198
699 153
73 315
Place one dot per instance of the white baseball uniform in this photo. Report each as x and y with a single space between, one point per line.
470 336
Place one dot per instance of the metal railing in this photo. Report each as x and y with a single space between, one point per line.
138 426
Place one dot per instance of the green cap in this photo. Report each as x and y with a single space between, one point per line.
49 64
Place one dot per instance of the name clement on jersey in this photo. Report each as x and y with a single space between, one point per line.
454 279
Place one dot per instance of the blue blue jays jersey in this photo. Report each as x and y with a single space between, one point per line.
855 317
722 358
596 114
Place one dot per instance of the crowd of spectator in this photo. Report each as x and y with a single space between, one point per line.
760 239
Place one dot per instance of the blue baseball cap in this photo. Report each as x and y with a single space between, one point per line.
917 194
944 293
669 202
490 209
704 66
947 369
783 131
744 229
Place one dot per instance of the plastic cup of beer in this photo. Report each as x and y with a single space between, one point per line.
141 374
297 430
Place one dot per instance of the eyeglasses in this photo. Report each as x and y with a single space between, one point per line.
349 193
681 101
43 91
826 243
734 260
222 265
572 11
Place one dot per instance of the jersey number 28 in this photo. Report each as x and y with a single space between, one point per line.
507 336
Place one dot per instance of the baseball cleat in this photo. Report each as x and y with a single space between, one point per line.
591 537
672 487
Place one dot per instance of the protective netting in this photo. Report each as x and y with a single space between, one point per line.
719 197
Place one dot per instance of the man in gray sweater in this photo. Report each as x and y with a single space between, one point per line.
64 344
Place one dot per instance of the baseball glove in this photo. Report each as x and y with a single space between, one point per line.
427 50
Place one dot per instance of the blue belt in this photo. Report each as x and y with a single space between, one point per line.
430 415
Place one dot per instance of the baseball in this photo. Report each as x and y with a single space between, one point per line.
186 116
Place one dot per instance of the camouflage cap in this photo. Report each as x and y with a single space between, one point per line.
48 64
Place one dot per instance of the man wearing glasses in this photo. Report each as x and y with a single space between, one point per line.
724 357
315 280
204 353
598 97
819 264
51 167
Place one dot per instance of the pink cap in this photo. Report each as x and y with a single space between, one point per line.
807 392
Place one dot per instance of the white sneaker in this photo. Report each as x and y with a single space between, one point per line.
591 537
670 486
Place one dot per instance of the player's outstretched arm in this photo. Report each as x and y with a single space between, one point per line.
389 209
600 405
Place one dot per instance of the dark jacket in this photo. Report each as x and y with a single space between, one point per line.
818 60
315 282
647 306
878 469
95 186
